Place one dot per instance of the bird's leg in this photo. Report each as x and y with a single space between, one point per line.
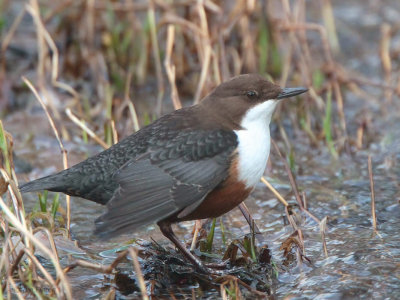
245 211
166 230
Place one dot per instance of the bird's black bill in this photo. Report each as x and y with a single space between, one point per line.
290 92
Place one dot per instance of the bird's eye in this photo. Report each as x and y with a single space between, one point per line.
251 94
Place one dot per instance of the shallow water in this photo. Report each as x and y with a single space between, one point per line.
361 263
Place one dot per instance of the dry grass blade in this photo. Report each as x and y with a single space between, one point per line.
322 229
197 227
246 213
138 272
50 239
311 215
156 54
329 21
204 73
83 126
384 52
299 241
127 100
274 191
97 267
340 106
132 111
304 198
371 182
170 68
290 175
360 135
206 52
222 291
114 132
110 295
187 26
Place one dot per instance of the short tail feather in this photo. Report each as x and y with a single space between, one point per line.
45 183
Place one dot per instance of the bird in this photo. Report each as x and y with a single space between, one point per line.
195 163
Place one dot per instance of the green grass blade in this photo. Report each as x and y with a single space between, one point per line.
210 236
4 149
55 205
223 233
327 125
43 201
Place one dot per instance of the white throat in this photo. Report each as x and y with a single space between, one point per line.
254 142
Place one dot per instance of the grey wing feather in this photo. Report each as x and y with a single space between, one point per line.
154 187
147 193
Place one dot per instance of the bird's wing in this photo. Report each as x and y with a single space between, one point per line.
173 175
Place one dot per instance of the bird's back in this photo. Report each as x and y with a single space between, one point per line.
93 178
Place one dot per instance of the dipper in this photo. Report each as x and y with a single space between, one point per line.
194 163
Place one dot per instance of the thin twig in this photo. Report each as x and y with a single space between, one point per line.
83 126
97 267
134 117
246 213
138 272
197 227
322 229
114 132
274 191
203 74
170 68
156 54
384 52
290 175
371 182
206 49
130 104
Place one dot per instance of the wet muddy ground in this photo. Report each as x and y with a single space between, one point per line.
361 263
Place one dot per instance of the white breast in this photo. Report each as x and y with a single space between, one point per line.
254 142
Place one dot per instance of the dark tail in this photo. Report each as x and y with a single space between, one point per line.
74 183
46 183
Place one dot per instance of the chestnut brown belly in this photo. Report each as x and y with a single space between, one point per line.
221 200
